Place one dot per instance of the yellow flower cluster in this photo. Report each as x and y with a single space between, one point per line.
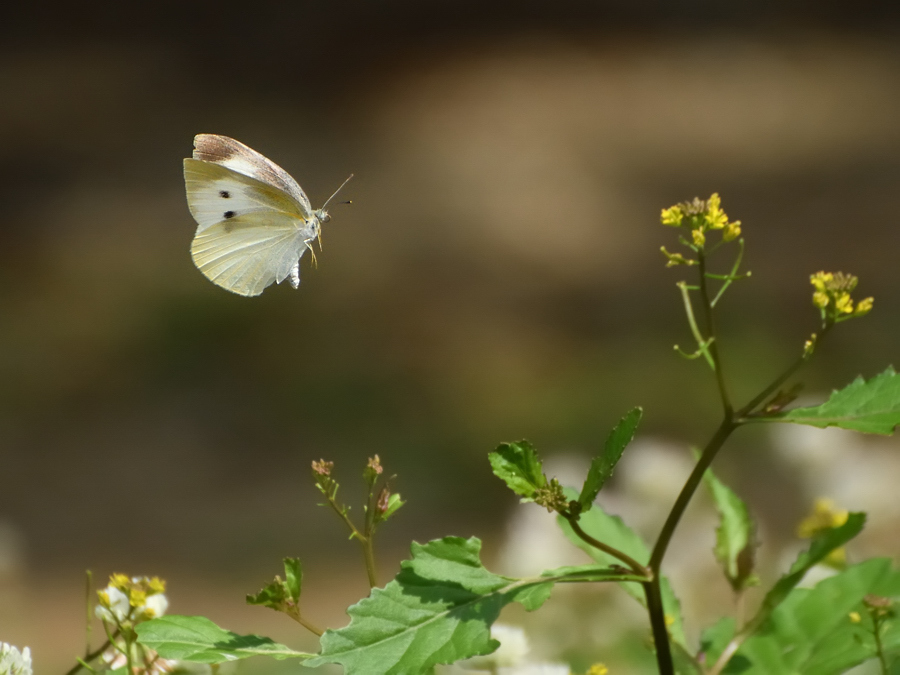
700 216
598 669
832 296
825 517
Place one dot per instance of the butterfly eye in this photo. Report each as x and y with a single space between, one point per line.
324 217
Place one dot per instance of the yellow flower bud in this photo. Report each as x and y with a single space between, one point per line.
119 581
820 299
854 617
156 585
732 231
819 279
864 306
137 597
698 237
715 217
598 669
824 517
843 303
672 216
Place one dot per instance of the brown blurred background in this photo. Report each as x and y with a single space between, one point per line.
498 275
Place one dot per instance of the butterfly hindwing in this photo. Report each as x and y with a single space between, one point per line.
247 253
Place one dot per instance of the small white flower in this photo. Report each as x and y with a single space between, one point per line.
119 606
154 607
512 650
14 662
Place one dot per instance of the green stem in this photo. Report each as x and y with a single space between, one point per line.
653 594
91 656
311 627
364 540
369 555
878 646
633 564
702 344
711 332
731 277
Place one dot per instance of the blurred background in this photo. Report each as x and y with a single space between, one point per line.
497 277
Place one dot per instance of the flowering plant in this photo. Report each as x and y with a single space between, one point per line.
442 606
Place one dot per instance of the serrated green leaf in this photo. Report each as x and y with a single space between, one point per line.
872 407
810 631
439 609
517 465
762 650
602 466
735 543
197 639
613 531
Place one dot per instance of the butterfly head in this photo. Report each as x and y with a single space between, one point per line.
322 216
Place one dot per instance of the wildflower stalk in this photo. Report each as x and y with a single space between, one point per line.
364 541
833 299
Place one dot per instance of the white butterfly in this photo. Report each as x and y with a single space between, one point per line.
253 220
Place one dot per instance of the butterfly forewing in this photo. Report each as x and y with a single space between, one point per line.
236 156
216 193
245 254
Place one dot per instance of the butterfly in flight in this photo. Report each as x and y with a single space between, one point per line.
254 222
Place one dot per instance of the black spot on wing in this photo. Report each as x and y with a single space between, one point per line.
228 214
224 194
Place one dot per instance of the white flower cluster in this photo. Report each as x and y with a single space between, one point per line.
131 600
14 662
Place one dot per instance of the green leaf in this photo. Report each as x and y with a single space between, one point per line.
823 544
735 542
811 632
517 465
394 503
439 609
715 638
282 595
602 466
872 407
612 531
196 638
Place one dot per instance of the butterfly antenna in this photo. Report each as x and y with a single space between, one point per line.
328 201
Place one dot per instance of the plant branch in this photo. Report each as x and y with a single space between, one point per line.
730 278
634 565
781 379
702 344
91 656
311 627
